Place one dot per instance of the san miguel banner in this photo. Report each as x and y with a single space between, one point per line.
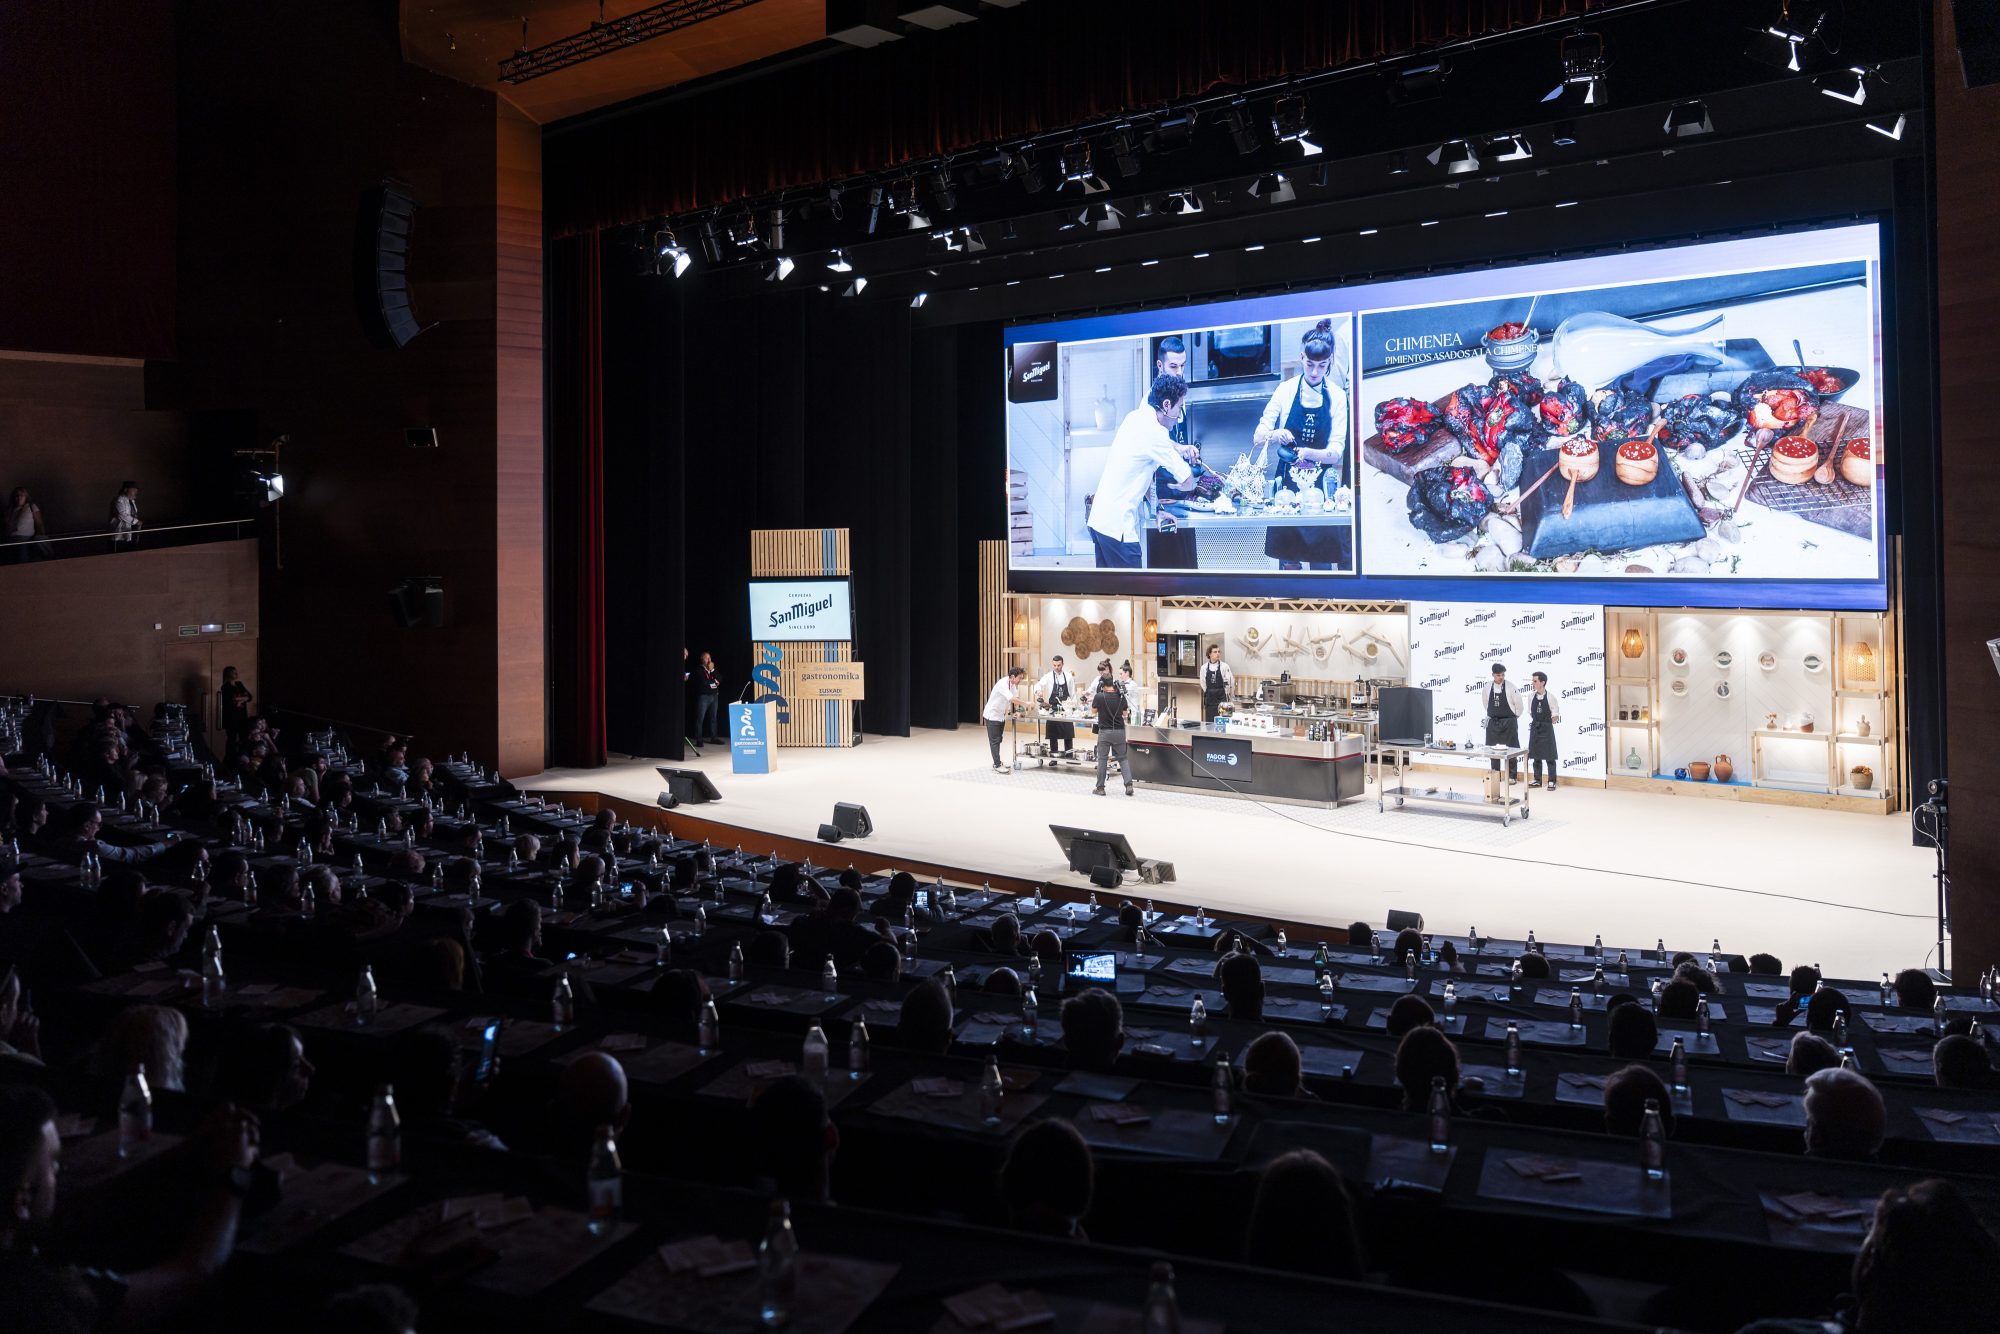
1453 646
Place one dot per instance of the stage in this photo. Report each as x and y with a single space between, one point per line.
1842 890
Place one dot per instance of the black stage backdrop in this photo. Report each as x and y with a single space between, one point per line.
793 410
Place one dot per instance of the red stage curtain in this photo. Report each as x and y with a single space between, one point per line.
1024 72
576 478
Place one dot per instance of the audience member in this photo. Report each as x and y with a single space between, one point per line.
1810 1053
769 949
925 1021
1679 999
882 962
1093 1024
1959 1062
1272 1066
1302 1219
1242 984
1845 1116
20 1029
1626 1093
1047 1181
1766 965
793 1139
155 1036
1534 966
1406 1013
1633 1032
1915 991
1423 1054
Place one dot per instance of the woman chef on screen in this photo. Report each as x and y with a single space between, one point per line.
1306 422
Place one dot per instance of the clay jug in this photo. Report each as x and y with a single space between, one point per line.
1698 770
1724 770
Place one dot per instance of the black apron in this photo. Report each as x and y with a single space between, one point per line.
1213 692
1320 544
1503 728
1541 729
1064 733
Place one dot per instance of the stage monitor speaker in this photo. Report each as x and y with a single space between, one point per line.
831 833
1400 920
1403 713
852 819
1156 872
689 786
389 215
418 600
420 437
1106 876
667 801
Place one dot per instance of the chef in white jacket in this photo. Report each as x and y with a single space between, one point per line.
1142 447
1056 689
1001 702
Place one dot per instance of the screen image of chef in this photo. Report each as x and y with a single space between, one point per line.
1711 424
1249 471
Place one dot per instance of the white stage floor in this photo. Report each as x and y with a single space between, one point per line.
1843 890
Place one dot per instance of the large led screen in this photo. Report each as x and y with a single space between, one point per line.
1692 425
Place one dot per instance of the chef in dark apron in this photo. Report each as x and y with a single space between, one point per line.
1503 721
1054 690
1306 422
1216 683
1542 718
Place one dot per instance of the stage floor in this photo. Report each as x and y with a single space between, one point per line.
1843 890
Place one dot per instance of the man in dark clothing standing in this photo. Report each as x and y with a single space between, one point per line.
708 703
1542 718
1111 707
1503 724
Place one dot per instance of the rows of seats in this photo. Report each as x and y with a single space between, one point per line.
630 1070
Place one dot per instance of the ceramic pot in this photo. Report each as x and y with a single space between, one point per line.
1680 773
1861 778
1724 770
1105 412
1862 727
1698 771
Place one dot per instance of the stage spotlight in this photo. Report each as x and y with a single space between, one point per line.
1071 221
711 244
1289 124
1007 230
833 202
1125 151
1688 119
857 287
1027 169
903 201
269 486
1893 130
1779 43
1078 167
1456 156
672 253
1849 86
1241 132
1170 131
1399 163
1563 134
1513 148
774 229
1108 217
781 269
1585 68
1418 83
917 301
1273 188
839 262
874 207
1183 203
974 241
942 192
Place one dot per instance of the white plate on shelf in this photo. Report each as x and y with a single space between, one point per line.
1722 689
1679 687
1814 662
1724 658
1679 657
1768 660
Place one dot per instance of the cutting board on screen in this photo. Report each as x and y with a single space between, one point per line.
1840 504
1609 515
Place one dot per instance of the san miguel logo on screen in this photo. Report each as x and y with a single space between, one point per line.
800 611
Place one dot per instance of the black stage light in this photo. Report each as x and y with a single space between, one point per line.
1170 131
1183 203
1399 163
1687 119
1563 134
1585 72
1290 126
1273 188
1241 132
833 202
1849 85
1125 151
1513 148
781 269
1780 41
1078 166
942 192
1890 129
1418 83
1027 168
774 229
711 244
874 207
1456 156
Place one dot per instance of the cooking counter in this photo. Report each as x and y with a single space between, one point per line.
1250 764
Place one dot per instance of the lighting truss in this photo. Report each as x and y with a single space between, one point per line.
603 38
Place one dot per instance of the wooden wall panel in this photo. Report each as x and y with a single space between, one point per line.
73 428
1967 144
993 612
521 648
810 553
86 627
